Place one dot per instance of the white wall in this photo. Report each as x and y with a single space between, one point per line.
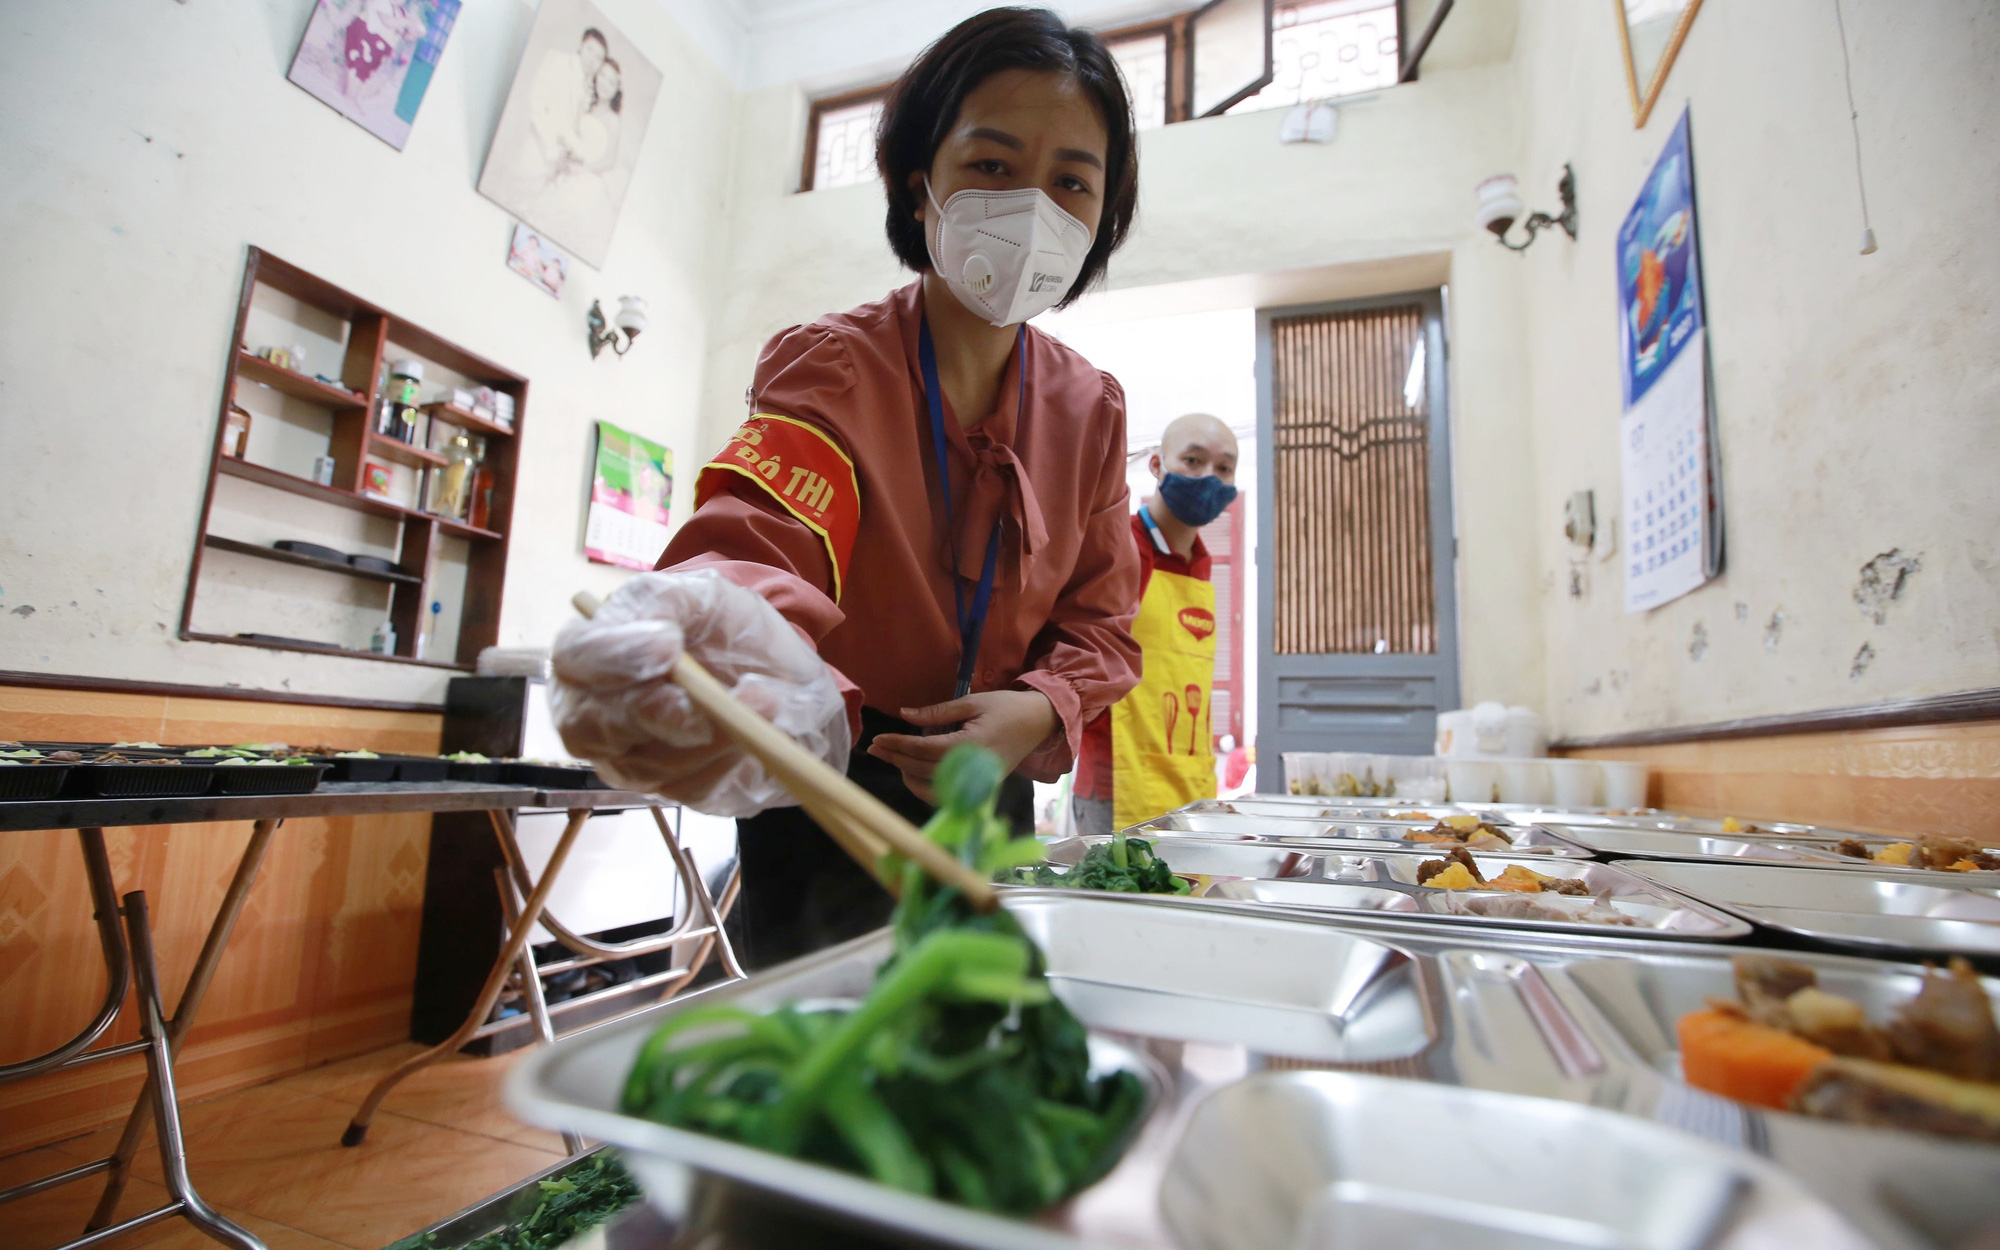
142 149
1856 395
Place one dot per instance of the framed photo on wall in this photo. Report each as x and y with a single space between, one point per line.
570 133
1651 32
371 60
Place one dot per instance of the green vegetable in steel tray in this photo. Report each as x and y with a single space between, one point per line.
575 1202
467 757
958 1076
1123 865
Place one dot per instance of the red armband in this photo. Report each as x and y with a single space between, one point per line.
801 468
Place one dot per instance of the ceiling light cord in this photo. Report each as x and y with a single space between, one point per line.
1854 122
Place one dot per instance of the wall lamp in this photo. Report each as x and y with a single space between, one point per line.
1500 206
631 319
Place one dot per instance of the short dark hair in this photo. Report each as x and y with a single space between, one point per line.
590 33
923 106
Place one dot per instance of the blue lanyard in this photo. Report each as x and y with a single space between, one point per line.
971 618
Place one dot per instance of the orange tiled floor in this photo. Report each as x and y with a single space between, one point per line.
270 1158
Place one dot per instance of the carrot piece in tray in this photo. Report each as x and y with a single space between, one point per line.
1741 1059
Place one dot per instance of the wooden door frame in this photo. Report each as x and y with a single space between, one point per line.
1442 666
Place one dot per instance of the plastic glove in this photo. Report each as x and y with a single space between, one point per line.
616 706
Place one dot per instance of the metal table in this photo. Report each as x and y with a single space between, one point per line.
128 952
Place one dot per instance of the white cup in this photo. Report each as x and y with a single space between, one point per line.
1472 781
1524 781
1575 783
1624 783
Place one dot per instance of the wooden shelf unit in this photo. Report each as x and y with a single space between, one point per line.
352 442
405 453
220 543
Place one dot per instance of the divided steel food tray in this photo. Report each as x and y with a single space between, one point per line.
1388 883
1333 835
1670 822
1743 848
1896 912
1201 857
1230 1012
1288 807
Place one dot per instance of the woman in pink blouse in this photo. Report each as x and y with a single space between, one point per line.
920 535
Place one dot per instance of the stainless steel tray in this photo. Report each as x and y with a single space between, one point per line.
1210 995
1310 1159
1876 841
1670 822
1879 911
1707 848
1887 1181
1693 847
1203 858
1300 808
1388 883
1334 835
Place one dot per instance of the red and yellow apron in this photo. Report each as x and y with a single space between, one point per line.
1162 755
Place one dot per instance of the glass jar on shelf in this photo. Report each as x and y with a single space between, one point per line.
480 509
454 490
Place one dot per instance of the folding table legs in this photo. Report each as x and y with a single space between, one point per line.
530 978
166 1111
517 940
184 1012
127 954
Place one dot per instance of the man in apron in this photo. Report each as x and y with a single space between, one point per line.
1153 751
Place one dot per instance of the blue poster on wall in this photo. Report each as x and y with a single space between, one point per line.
1668 462
1659 269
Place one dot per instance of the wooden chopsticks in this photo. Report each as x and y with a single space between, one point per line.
863 825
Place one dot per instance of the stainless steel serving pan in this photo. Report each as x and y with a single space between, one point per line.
1209 995
1310 1159
1706 848
1693 847
1290 808
1198 857
1873 910
1670 822
1334 835
1388 883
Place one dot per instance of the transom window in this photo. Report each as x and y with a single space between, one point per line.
1320 49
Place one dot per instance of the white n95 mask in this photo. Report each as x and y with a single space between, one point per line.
1007 255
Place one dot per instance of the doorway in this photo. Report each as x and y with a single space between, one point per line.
1358 625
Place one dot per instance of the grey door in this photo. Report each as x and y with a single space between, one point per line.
1355 578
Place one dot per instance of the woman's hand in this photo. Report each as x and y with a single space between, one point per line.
1010 723
616 705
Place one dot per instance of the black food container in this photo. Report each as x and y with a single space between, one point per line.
380 769
31 779
268 779
422 768
553 777
122 780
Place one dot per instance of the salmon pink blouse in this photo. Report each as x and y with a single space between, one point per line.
827 503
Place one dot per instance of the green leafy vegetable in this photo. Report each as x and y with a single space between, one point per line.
959 1075
1122 865
580 1199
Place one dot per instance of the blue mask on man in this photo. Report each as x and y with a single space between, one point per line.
1196 500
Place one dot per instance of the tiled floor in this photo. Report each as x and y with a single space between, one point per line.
270 1158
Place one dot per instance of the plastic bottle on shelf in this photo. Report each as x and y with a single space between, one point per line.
399 409
383 640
